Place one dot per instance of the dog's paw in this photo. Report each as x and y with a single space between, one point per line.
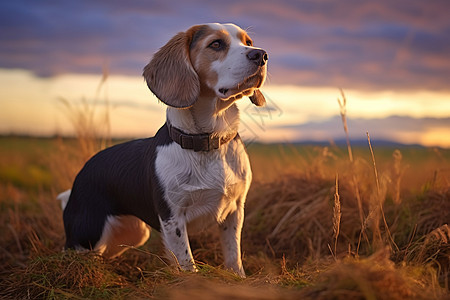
241 273
238 270
189 268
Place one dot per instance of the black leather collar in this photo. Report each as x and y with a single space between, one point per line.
198 142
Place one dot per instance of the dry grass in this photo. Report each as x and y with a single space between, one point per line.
375 277
320 224
336 215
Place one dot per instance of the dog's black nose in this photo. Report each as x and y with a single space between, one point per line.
258 56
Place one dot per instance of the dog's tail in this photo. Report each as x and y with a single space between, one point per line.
64 198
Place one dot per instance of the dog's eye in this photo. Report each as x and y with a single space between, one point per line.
249 43
216 45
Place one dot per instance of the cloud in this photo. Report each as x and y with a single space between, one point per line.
400 129
351 44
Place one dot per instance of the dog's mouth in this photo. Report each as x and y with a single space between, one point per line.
244 88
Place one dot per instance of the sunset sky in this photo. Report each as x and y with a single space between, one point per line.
391 58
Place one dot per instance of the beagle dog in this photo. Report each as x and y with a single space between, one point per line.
193 171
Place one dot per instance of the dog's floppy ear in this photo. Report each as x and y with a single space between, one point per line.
258 98
170 74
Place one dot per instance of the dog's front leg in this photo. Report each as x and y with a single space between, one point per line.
176 240
230 233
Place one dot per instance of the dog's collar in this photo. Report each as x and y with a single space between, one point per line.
198 142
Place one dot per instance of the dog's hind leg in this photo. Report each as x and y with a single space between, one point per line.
120 233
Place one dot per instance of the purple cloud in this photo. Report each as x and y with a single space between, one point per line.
351 44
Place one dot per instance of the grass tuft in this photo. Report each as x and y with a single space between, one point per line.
64 274
375 277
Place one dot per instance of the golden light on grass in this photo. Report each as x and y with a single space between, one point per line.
297 206
336 215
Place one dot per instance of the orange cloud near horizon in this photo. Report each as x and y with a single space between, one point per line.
31 105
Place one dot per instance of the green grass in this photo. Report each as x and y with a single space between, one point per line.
23 162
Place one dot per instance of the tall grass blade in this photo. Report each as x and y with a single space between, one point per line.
336 215
379 193
355 183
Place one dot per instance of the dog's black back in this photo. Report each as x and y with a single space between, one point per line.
119 180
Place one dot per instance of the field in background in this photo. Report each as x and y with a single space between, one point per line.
317 227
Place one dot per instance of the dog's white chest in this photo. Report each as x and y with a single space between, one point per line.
201 184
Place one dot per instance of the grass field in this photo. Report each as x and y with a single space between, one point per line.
317 227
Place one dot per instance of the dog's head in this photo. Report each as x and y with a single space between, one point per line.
211 59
